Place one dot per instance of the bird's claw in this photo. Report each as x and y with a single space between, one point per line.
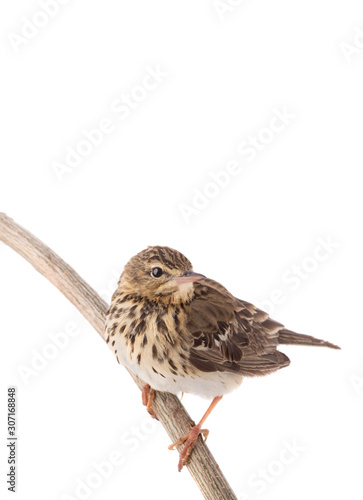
148 395
190 441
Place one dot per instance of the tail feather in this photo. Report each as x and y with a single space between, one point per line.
289 337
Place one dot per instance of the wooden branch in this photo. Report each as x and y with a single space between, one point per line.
169 410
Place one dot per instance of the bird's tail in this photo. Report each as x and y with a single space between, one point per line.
289 337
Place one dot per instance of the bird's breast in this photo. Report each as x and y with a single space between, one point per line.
149 340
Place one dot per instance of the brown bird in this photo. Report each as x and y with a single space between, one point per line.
182 332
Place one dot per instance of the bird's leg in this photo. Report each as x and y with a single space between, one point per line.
190 439
147 398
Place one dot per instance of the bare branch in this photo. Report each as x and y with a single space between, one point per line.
170 412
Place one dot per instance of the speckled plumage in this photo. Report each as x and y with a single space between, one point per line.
182 332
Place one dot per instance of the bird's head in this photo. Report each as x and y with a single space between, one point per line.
161 274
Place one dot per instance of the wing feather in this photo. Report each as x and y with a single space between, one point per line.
229 334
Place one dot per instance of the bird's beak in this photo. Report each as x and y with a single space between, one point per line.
189 277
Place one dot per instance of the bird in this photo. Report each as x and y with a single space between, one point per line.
181 332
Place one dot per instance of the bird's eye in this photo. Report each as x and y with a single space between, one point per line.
156 272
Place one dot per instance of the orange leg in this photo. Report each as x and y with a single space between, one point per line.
190 439
148 395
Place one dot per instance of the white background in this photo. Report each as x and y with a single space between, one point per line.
228 72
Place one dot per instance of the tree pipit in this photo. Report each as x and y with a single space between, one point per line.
182 332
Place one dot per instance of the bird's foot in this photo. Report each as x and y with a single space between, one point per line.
190 441
148 395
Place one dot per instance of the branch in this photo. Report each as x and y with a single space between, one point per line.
169 410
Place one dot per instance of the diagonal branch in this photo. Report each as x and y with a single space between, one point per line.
171 413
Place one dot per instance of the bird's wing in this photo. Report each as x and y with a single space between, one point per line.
228 334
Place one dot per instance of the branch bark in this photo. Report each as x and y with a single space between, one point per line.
169 410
